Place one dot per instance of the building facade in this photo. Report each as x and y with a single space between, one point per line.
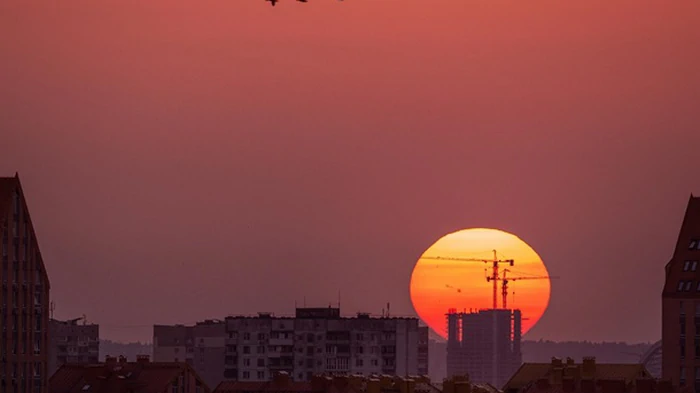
24 297
72 342
314 341
485 345
202 346
680 337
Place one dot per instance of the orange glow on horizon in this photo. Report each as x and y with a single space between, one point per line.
439 285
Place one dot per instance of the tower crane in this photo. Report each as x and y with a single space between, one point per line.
504 280
494 271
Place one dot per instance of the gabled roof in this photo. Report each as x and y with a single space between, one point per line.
117 378
262 386
529 372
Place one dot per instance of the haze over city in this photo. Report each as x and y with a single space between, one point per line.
189 160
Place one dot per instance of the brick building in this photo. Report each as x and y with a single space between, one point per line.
119 376
557 371
24 296
680 334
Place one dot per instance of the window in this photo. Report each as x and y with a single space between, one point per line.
681 284
246 362
682 382
374 362
358 363
246 336
261 349
694 266
261 362
682 342
246 374
688 285
686 266
261 375
697 348
246 349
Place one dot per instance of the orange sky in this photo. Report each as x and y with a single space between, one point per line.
185 160
440 285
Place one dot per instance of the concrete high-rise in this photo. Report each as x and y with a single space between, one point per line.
314 341
680 354
73 343
24 297
484 344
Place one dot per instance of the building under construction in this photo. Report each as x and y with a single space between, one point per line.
484 344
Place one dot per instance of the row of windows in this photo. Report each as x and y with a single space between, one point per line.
690 266
683 374
694 244
687 286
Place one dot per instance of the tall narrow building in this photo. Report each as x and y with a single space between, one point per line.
680 354
484 344
24 297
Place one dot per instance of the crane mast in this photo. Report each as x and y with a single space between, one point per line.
494 270
505 280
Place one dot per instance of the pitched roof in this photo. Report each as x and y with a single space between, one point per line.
262 386
529 372
117 378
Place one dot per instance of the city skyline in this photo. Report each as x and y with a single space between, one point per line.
184 162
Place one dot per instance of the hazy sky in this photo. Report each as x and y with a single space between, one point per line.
191 159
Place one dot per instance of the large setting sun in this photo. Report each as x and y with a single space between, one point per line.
447 276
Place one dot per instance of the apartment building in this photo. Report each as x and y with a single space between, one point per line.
201 346
314 341
72 342
24 296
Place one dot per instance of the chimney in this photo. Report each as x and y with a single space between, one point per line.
281 379
570 361
587 385
556 375
645 385
110 360
588 367
569 385
373 385
556 362
463 387
143 359
448 386
406 385
122 359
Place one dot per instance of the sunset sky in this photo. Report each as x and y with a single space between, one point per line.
185 160
451 275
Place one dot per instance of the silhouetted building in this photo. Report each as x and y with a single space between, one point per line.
570 375
315 341
680 335
120 376
485 345
73 343
282 383
24 297
202 346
